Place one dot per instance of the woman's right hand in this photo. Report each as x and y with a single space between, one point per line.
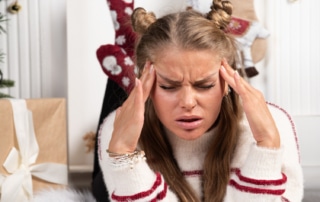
129 117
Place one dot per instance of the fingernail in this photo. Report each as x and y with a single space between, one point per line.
222 68
145 67
236 73
136 81
151 69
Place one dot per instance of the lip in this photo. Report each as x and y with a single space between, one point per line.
189 122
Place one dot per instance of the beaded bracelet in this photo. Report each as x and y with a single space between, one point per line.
120 160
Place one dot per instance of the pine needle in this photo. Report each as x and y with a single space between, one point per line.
2 95
6 83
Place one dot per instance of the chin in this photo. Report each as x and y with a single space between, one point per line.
189 135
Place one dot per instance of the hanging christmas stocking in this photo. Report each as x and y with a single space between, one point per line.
116 60
250 34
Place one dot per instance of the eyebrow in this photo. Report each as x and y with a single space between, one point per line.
199 82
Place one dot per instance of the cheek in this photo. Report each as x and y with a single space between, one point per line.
162 106
161 100
212 101
159 95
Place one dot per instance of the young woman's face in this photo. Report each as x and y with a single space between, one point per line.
188 91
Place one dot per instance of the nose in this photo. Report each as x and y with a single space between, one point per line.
187 98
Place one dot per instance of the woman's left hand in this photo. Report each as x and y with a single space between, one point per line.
259 117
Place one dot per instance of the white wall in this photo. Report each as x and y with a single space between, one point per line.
89 26
293 73
35 48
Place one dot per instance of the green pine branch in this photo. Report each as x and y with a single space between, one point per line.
1 57
6 83
2 95
2 19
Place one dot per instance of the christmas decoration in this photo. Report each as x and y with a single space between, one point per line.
2 19
116 59
33 147
89 139
4 83
14 8
117 63
246 32
250 34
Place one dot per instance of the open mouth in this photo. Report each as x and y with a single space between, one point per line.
189 120
189 123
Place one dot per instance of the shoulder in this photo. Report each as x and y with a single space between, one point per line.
284 123
287 130
282 119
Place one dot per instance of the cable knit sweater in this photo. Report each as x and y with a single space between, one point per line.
257 174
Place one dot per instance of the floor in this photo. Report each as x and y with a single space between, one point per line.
312 195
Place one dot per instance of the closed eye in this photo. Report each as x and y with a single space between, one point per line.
205 86
167 87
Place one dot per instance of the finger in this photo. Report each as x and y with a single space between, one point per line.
147 80
240 89
233 78
131 96
227 74
138 100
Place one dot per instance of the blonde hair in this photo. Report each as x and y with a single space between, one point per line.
190 30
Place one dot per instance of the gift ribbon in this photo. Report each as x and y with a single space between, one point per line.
21 164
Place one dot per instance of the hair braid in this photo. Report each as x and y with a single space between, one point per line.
141 20
220 13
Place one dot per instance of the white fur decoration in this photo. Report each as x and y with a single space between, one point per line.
63 195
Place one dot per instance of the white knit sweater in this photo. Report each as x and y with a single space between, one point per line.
258 174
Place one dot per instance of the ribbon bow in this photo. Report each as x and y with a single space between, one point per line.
21 164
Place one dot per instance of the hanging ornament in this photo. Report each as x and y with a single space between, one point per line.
14 8
193 4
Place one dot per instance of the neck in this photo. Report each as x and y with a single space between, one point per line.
190 154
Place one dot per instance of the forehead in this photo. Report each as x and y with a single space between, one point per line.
190 64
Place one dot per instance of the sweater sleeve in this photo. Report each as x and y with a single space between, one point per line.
125 183
268 174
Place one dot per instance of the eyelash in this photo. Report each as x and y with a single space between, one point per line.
204 87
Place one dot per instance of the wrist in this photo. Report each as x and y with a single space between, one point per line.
120 148
126 159
272 144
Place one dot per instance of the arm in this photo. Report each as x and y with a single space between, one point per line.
268 167
267 174
119 134
125 184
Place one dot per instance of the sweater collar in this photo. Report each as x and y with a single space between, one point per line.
199 145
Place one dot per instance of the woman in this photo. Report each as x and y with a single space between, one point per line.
192 129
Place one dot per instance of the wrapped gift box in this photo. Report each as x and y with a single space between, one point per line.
33 153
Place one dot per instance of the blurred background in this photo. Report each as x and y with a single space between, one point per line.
49 50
